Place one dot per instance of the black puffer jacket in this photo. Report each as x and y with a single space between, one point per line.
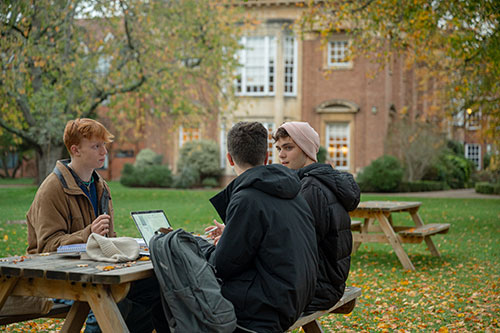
330 194
267 256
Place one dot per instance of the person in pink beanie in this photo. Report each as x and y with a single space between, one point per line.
331 194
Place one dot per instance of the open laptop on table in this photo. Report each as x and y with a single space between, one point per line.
148 222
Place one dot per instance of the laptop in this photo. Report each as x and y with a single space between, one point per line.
149 221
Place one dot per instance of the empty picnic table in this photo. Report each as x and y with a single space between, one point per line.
386 232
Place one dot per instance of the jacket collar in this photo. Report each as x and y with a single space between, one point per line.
70 180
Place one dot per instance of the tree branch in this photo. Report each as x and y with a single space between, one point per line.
99 96
23 105
22 134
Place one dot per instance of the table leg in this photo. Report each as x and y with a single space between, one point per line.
364 230
430 244
76 317
394 241
105 309
7 284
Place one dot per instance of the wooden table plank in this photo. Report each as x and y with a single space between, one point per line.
387 206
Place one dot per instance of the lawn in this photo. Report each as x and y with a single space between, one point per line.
458 292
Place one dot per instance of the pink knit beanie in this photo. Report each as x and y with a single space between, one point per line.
304 136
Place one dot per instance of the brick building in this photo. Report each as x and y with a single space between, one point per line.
291 76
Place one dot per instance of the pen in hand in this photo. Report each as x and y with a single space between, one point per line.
210 230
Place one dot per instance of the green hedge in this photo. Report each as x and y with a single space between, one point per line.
383 175
417 186
422 186
148 176
487 188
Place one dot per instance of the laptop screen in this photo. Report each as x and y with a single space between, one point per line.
149 221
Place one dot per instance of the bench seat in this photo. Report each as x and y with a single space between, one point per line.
356 225
345 305
426 230
57 311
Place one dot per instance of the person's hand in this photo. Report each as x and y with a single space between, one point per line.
101 225
215 231
165 230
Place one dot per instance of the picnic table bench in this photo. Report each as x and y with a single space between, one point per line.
387 232
57 311
345 305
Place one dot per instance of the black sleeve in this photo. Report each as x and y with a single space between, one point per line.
318 203
240 240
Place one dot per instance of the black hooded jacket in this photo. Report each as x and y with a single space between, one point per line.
330 194
267 256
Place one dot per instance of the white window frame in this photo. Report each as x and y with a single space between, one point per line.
181 135
473 153
474 121
223 145
270 144
294 67
270 49
332 147
345 51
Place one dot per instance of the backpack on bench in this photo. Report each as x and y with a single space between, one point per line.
191 295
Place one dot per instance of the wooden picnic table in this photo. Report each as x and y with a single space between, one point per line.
386 232
92 285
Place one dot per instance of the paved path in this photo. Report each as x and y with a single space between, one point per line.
468 193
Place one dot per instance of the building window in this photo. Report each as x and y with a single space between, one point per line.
223 145
458 118
338 145
290 57
11 159
257 73
473 153
188 134
474 120
338 53
270 146
105 166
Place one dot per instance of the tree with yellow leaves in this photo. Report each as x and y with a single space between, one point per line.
62 59
453 45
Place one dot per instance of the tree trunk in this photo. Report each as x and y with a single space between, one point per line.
46 160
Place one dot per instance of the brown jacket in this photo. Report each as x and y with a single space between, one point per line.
61 213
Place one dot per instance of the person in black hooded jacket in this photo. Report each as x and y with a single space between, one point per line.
330 195
266 255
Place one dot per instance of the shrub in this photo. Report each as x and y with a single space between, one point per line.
382 175
321 155
147 171
487 188
186 178
147 157
210 182
129 177
422 186
202 156
451 167
156 176
148 176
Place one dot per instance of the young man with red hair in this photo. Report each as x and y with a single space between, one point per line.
73 202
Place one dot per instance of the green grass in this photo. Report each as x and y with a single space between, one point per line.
459 291
17 181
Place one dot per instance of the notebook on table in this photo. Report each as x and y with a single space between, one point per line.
150 221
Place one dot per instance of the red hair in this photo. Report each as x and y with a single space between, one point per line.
86 128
